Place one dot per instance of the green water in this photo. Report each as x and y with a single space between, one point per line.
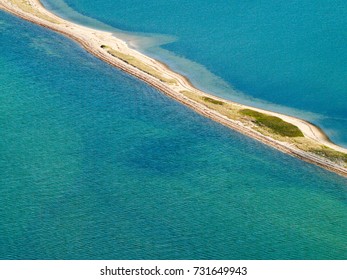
97 165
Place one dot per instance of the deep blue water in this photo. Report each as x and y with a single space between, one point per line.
287 56
95 164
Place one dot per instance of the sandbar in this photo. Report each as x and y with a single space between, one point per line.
310 143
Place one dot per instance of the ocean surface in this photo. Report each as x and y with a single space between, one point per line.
286 56
95 164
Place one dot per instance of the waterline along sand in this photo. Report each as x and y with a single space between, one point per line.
285 133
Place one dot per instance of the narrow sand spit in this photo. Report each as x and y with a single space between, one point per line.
117 53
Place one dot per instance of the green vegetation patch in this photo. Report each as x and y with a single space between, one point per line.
224 108
214 101
276 124
329 153
138 64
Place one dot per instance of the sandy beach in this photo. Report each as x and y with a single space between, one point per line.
117 53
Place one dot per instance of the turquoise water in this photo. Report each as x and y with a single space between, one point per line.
287 56
95 164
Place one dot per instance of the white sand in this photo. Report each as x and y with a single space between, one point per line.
92 40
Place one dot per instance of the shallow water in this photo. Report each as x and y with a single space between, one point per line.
95 164
284 56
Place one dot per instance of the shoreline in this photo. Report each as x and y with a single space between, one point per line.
105 46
